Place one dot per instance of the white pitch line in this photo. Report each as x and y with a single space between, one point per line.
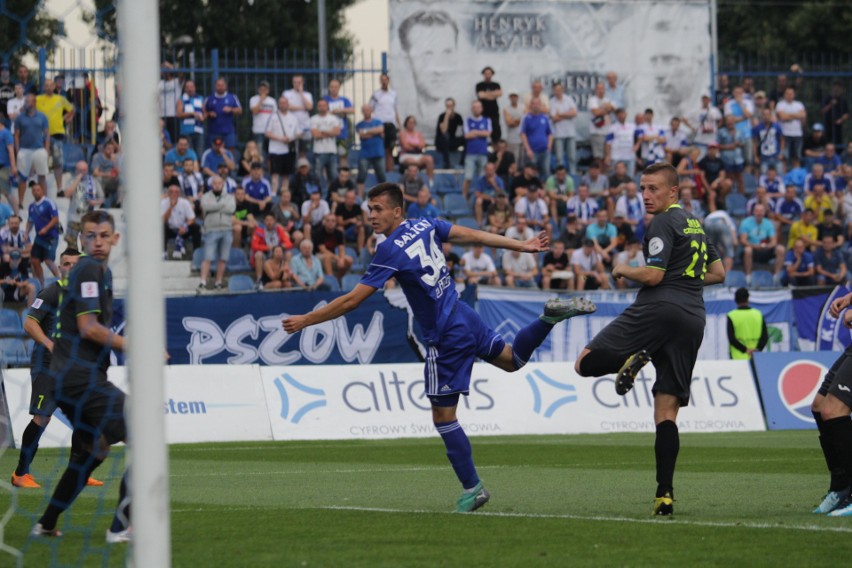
596 518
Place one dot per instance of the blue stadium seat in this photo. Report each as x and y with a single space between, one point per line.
357 265
455 205
10 322
469 222
735 279
237 261
393 177
735 204
240 283
446 183
36 284
73 153
762 279
13 352
29 345
750 183
197 257
331 281
349 282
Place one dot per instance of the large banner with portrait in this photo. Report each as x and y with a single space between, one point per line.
661 51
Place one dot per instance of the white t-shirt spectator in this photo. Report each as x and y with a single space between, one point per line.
513 233
315 217
587 263
599 124
482 264
282 125
181 214
168 97
13 109
706 123
303 118
524 262
677 140
384 105
565 128
513 133
533 210
790 127
325 123
260 121
621 138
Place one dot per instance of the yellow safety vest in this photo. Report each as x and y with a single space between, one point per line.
748 326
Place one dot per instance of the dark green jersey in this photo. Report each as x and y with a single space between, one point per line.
675 242
43 311
89 291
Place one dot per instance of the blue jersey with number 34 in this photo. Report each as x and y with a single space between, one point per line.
412 254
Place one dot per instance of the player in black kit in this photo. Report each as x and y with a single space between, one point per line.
665 325
81 357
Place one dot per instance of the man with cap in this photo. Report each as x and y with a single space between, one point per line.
215 155
814 145
304 182
747 331
489 92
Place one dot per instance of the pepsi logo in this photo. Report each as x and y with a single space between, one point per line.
798 385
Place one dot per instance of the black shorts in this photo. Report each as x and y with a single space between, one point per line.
838 379
11 293
95 409
670 333
43 250
42 401
390 135
281 164
761 256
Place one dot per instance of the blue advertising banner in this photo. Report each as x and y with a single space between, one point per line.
246 329
788 383
817 329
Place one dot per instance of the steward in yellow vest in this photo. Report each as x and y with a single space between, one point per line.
746 328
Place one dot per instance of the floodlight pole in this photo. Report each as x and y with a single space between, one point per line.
139 33
323 45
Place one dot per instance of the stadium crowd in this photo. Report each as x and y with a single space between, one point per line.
287 203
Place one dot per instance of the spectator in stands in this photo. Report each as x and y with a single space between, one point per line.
652 140
619 175
760 196
835 113
452 259
799 266
527 181
276 271
768 142
192 184
690 205
85 195
224 172
218 208
8 165
110 133
301 103
251 154
845 198
600 108
760 242
677 141
106 168
819 200
190 113
7 92
423 207
449 132
314 210
630 205
370 131
287 214
774 185
32 139
741 108
179 221
533 207
704 124
615 91
816 176
330 247
804 229
262 107
383 103
485 190
350 218
556 270
324 128
267 236
489 92
243 222
169 177
304 182
829 160
620 141
306 269
500 214
341 107
478 267
520 269
412 145
733 143
792 115
5 212
559 188
43 217
583 206
338 187
477 131
813 145
258 192
828 263
520 229
15 105
536 92
282 131
513 114
221 108
631 256
180 153
12 238
589 272
537 136
572 235
563 114
830 227
14 280
215 155
59 113
603 234
713 177
505 161
597 183
169 89
412 182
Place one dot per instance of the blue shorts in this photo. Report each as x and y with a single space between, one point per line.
449 362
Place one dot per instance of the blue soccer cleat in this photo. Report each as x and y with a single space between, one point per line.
472 500
831 501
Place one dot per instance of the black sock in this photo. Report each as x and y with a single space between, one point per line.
838 435
29 447
73 480
121 520
598 363
839 477
666 448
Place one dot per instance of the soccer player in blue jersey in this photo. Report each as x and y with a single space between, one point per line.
454 333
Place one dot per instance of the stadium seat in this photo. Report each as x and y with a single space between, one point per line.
332 283
750 183
446 183
455 205
349 282
14 352
72 153
197 257
240 283
393 177
735 279
357 265
29 345
735 205
237 261
762 279
469 222
36 284
10 322
49 281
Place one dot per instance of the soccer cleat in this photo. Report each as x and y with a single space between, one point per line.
556 310
844 509
831 501
119 537
664 506
472 500
25 481
627 373
92 482
39 531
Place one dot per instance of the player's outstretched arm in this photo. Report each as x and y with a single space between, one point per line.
465 236
645 275
715 273
338 307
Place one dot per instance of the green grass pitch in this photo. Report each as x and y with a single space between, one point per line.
741 500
